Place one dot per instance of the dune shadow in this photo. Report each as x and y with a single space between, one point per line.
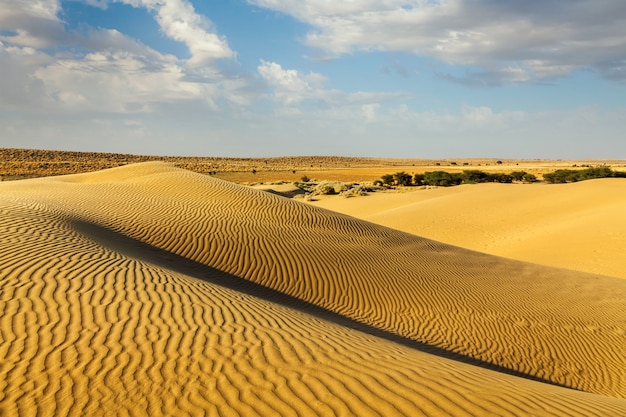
147 253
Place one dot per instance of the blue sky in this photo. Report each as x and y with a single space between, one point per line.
412 78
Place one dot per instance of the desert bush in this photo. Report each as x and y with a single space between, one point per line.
418 179
442 178
518 175
387 179
324 188
402 178
474 176
330 188
501 178
358 190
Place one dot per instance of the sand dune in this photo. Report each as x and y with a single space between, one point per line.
578 226
150 290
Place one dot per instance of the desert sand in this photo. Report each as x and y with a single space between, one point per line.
152 290
579 226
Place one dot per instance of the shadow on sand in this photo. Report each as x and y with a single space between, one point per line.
147 253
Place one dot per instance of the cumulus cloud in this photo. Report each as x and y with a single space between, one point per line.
290 87
542 39
179 21
47 66
31 23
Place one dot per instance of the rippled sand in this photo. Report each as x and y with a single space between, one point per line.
150 290
579 226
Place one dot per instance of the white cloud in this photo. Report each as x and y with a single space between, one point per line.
31 23
544 39
18 88
118 82
291 87
179 21
103 70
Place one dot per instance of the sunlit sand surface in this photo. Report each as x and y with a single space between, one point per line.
150 290
579 226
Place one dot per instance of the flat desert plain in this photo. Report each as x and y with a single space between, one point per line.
149 289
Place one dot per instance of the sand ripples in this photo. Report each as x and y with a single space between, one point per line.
147 290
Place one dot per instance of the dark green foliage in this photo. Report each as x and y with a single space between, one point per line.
529 178
561 176
502 178
402 178
387 179
474 176
442 178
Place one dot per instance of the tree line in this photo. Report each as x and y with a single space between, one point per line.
561 176
446 179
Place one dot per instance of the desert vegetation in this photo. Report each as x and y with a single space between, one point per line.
345 189
561 176
446 179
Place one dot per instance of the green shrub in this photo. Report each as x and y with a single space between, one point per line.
387 179
402 178
473 176
442 178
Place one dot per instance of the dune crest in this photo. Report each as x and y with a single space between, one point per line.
148 289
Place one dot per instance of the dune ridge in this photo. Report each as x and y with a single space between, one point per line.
139 290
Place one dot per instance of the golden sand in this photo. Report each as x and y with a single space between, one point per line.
150 290
579 226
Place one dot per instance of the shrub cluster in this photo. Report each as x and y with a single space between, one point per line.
561 176
344 189
446 179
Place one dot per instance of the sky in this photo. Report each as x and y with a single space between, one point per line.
526 79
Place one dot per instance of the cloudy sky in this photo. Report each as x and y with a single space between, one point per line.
392 78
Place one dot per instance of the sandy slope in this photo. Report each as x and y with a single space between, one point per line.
579 226
134 291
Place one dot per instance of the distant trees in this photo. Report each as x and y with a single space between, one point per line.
474 176
402 178
387 179
447 179
574 175
442 178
